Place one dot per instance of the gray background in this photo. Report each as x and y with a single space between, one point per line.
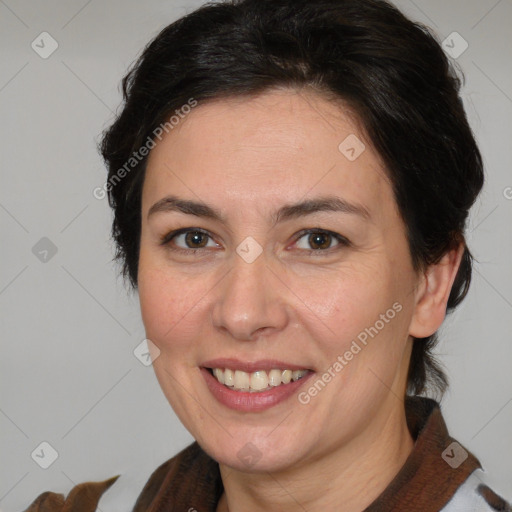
69 375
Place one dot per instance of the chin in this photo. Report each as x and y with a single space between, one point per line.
254 453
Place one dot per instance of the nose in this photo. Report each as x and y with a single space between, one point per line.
250 301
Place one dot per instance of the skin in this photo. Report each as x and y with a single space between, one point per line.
247 158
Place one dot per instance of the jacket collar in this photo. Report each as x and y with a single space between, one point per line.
428 479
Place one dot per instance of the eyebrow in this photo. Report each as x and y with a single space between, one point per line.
286 212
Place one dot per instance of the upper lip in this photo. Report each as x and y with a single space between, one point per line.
251 366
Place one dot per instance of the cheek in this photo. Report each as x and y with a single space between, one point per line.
168 305
345 300
358 315
156 300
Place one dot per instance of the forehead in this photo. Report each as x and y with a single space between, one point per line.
281 146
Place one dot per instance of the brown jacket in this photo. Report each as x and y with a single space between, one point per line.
431 478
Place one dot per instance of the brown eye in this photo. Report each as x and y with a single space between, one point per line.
188 240
195 239
319 240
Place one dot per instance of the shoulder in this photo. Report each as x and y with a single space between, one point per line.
176 473
85 495
475 496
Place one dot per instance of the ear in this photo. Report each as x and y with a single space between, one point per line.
433 292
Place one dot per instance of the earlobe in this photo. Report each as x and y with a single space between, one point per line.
433 293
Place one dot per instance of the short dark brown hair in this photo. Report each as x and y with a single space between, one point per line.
391 71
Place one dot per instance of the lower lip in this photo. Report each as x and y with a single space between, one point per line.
251 402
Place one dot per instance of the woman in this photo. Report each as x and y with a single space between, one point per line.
290 183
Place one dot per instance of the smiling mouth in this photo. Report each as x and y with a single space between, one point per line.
257 381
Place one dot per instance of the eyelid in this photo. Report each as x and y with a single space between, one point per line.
165 239
169 237
342 241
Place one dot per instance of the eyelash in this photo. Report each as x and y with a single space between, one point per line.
343 242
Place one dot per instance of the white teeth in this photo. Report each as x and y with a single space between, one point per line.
219 374
286 376
274 377
256 381
259 380
296 375
242 380
229 377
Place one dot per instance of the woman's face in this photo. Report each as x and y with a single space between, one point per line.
253 290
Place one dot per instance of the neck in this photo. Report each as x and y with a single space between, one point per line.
350 477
